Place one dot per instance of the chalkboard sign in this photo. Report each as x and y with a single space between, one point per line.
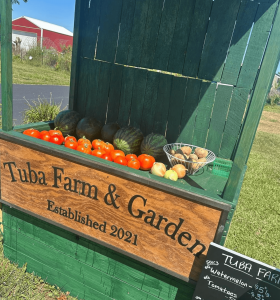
228 275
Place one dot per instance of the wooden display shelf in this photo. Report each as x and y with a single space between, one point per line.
150 219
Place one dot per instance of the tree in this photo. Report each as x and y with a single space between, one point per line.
17 1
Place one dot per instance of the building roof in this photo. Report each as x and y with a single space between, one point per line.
48 26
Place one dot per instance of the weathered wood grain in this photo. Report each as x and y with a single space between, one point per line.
66 191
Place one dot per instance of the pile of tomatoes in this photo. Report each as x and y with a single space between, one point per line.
96 148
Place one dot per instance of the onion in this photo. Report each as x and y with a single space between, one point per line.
158 169
180 170
171 174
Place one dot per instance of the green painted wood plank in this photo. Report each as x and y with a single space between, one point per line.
138 97
125 31
151 33
137 33
55 277
6 65
75 56
126 96
98 281
83 99
267 71
99 109
218 118
204 111
181 36
240 98
165 35
244 22
89 27
110 16
162 106
221 25
150 101
177 96
257 44
114 93
189 110
197 36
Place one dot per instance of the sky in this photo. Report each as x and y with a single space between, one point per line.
58 12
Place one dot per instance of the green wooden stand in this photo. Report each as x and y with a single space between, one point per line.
197 71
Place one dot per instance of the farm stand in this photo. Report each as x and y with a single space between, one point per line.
197 72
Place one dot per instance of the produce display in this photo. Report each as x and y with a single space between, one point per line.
187 159
128 139
66 121
153 145
126 146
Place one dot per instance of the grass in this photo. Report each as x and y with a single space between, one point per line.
16 283
24 73
272 108
255 229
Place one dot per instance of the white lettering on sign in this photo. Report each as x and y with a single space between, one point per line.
241 266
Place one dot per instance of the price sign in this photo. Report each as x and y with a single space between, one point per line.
228 275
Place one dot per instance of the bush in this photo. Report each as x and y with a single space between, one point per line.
41 111
273 97
50 57
64 59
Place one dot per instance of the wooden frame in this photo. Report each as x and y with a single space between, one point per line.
222 198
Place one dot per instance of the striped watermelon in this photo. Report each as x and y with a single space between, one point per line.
153 144
128 139
66 121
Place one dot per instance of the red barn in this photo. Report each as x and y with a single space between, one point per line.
33 32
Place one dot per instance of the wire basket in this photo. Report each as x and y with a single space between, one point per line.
192 165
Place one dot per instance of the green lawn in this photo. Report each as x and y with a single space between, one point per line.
255 229
25 73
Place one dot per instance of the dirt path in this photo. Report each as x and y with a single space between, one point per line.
270 122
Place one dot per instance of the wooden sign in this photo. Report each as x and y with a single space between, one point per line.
229 275
168 232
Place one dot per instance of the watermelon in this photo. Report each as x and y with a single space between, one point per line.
88 127
128 139
108 131
153 145
66 121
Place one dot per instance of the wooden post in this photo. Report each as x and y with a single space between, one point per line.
6 65
255 110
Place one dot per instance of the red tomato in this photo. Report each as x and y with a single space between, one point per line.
56 139
55 132
43 133
45 137
134 164
32 132
108 148
120 160
70 143
130 156
86 148
146 161
107 156
68 137
83 141
116 153
98 152
98 144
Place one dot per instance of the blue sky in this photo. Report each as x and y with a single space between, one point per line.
59 12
